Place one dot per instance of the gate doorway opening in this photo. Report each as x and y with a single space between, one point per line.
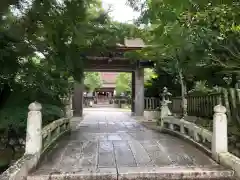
113 59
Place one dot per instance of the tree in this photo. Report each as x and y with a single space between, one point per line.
92 80
171 43
221 39
123 83
149 74
187 36
43 46
124 80
61 33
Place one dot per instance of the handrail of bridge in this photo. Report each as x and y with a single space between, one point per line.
189 131
214 143
38 141
52 131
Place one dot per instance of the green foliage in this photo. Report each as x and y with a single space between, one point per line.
201 87
124 80
222 40
92 80
149 74
123 83
17 119
192 40
189 35
43 47
155 86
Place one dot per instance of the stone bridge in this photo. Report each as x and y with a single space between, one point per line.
112 144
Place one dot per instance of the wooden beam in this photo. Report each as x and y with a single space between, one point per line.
109 69
99 58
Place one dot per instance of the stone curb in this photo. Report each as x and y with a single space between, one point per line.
100 174
133 173
174 173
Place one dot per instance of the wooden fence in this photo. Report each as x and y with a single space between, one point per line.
202 105
149 103
152 103
231 100
176 105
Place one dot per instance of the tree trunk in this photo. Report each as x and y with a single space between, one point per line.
4 95
234 80
183 94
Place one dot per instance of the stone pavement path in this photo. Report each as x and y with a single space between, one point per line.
112 143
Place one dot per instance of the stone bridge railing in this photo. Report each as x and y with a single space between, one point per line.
189 131
214 143
38 140
53 131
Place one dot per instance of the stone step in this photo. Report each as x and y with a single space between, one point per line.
143 173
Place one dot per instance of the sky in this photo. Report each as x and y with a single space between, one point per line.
119 11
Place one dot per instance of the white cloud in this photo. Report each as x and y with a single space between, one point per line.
119 10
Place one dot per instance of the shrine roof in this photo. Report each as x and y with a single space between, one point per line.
109 77
136 43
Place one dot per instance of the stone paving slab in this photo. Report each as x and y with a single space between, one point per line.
123 154
140 154
113 141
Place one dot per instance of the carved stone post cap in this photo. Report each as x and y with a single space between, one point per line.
220 109
35 106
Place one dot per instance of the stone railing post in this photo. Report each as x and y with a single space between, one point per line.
219 138
34 129
68 109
